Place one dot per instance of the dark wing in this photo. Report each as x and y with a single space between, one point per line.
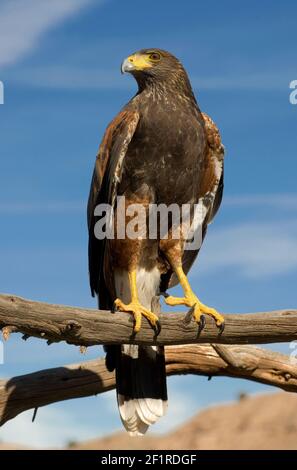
106 176
213 179
211 190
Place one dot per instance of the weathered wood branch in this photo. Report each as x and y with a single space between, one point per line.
88 327
89 378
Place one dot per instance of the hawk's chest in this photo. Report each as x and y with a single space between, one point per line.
166 137
165 153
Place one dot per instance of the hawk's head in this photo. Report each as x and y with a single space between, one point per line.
153 65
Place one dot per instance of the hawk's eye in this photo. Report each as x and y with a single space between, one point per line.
155 56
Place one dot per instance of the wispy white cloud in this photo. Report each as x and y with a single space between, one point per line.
255 250
22 24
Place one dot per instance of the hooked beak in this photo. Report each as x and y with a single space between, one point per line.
135 62
127 65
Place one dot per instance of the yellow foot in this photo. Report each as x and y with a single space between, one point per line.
138 311
197 308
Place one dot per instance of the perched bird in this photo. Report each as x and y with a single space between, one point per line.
159 149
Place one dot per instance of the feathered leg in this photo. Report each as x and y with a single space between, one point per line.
135 306
173 254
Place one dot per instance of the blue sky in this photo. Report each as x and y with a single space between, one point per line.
60 65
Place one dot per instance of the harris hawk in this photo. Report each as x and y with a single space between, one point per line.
159 149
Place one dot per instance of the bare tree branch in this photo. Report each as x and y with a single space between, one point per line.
89 378
88 327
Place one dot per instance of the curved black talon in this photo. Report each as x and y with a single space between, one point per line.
133 334
201 324
113 308
191 311
221 328
189 315
157 328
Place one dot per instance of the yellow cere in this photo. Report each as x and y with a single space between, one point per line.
140 61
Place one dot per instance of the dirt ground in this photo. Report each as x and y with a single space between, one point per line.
261 422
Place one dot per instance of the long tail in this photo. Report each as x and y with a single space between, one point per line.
140 370
141 387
